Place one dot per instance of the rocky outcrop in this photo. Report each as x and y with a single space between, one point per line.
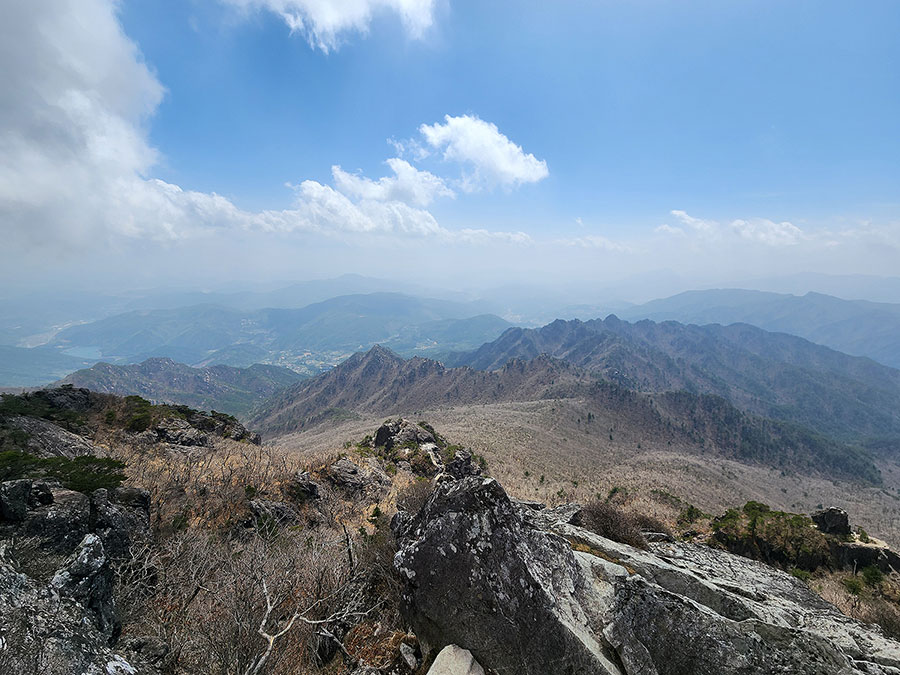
65 626
45 439
533 595
355 479
87 578
268 513
832 521
301 487
396 433
178 431
58 519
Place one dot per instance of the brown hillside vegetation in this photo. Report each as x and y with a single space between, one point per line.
380 383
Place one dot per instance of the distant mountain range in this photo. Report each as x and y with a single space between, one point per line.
309 340
222 388
855 327
774 375
379 382
195 335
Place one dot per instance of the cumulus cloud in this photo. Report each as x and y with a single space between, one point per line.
324 22
408 184
76 165
492 159
74 95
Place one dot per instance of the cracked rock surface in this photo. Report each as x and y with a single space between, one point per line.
529 593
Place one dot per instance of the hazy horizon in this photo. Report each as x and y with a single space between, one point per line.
448 143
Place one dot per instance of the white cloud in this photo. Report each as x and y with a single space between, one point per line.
668 229
324 22
757 230
596 241
696 224
408 185
768 232
74 95
76 165
493 159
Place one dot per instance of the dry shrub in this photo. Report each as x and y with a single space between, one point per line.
611 522
869 606
413 497
648 523
204 486
241 607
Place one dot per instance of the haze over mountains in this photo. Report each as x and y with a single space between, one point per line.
381 383
770 374
857 327
227 389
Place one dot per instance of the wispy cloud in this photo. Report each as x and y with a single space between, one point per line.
325 23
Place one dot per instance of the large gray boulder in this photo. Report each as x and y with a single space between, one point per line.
56 520
517 598
832 521
535 595
454 660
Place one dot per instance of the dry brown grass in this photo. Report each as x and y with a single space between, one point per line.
878 605
547 451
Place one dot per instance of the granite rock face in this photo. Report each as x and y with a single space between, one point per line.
46 439
537 595
67 626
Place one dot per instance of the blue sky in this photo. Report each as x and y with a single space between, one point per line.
708 138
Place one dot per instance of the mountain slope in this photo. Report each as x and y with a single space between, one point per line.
318 335
381 383
855 327
230 390
769 374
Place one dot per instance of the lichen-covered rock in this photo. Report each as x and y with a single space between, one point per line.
121 519
527 592
395 433
61 523
477 576
353 478
302 487
87 578
454 660
45 628
267 513
179 431
462 465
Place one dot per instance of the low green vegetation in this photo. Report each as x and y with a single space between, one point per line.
787 540
82 474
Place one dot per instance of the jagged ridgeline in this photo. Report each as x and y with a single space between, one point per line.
380 382
774 375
